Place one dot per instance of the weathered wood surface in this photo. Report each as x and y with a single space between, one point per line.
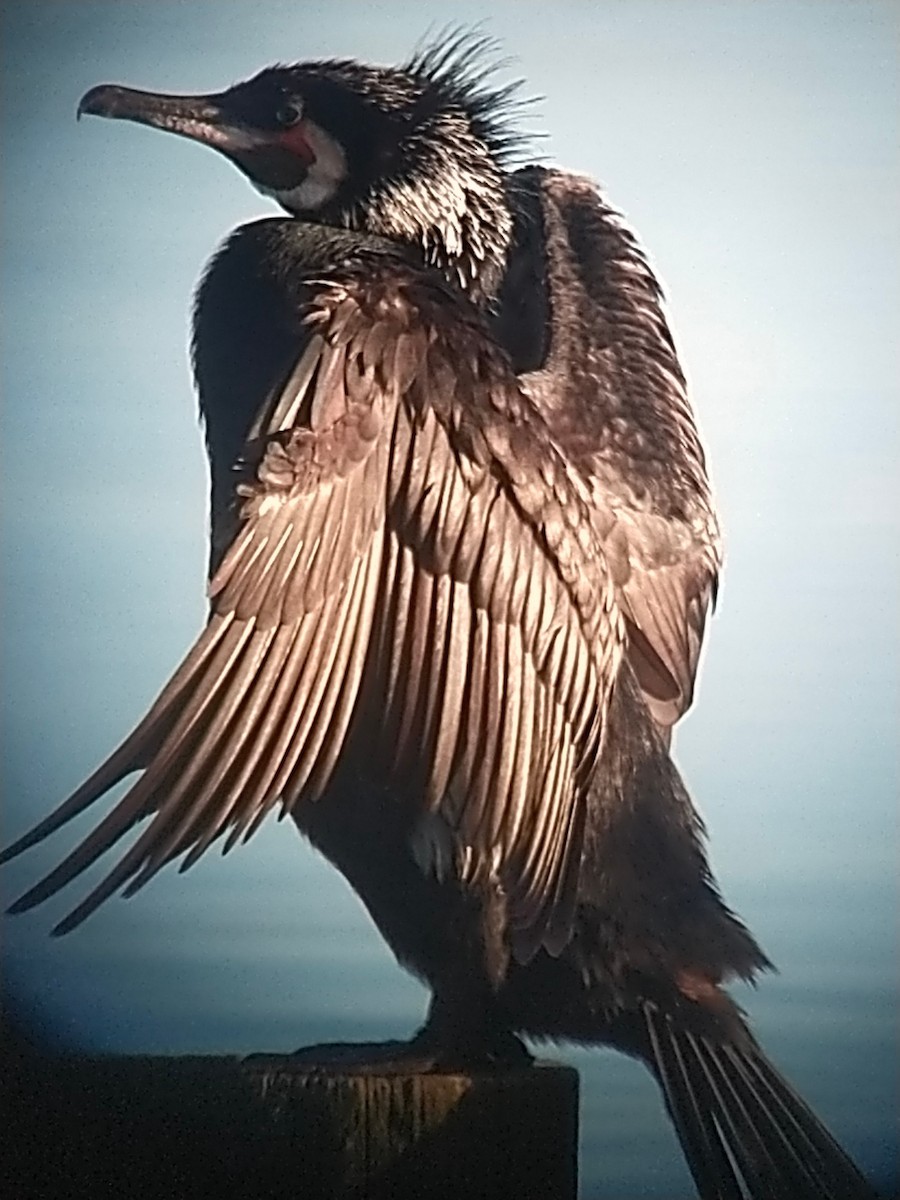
192 1127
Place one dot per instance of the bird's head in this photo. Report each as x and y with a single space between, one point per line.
415 153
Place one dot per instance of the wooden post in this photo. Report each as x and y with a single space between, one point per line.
179 1128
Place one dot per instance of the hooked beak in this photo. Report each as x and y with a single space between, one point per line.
198 117
272 159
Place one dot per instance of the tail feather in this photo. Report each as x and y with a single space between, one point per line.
701 1141
754 1159
745 1132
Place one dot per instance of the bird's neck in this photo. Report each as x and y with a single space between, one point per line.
459 222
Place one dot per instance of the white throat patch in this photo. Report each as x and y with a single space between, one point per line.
323 179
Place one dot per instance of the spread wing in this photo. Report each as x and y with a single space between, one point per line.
412 576
608 380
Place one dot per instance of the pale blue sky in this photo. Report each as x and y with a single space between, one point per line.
754 146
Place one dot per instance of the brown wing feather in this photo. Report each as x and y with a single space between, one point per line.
666 577
536 637
611 387
392 528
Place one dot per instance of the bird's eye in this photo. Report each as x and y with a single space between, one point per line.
289 113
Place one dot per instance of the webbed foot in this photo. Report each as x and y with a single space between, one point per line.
423 1054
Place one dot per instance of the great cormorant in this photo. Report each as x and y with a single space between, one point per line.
462 553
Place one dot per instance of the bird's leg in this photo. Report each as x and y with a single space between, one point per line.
466 1025
463 1031
451 1040
352 1058
465 1028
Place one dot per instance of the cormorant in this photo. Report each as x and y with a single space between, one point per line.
462 552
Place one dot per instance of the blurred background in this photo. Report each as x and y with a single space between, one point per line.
754 146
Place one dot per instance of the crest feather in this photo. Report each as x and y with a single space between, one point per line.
461 65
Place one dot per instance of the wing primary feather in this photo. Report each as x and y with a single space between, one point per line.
470 747
560 915
256 795
208 764
520 781
252 597
319 680
134 752
319 572
541 882
397 582
585 700
418 584
508 740
294 601
135 804
431 691
447 717
313 768
544 813
198 704
352 673
262 714
310 683
528 863
129 809
231 559
486 803
548 870
228 593
272 608
482 795
116 824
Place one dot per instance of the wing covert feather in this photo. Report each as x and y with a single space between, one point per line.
410 556
612 389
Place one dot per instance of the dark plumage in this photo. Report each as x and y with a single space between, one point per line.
462 552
